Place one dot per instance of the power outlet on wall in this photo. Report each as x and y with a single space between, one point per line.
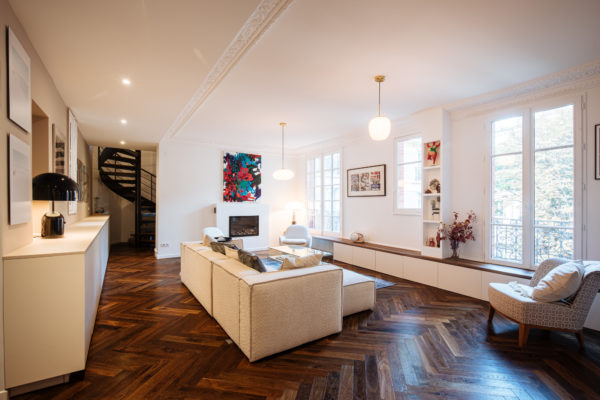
164 245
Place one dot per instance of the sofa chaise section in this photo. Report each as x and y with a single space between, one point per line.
196 271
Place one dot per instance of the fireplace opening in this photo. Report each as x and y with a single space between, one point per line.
246 225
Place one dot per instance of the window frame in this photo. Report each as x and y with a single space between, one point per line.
527 113
321 155
396 209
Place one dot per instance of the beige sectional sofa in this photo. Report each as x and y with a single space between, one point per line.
266 313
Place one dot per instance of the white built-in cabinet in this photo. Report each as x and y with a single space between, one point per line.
467 281
51 292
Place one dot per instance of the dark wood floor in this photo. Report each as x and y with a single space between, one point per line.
153 340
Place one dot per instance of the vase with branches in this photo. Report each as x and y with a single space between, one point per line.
458 231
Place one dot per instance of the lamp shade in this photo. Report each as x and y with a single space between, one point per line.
51 186
283 174
379 128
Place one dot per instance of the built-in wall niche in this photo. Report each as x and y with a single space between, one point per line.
41 142
432 199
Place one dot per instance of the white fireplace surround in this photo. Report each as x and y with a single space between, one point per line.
225 210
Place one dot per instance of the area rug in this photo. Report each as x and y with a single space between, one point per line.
274 265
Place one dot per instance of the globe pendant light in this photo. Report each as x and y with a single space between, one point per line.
283 174
380 126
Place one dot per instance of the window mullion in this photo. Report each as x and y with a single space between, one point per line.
528 190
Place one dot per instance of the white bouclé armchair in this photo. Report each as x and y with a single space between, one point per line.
296 235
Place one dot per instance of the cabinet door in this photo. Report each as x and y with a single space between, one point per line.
421 271
391 264
461 280
364 258
342 252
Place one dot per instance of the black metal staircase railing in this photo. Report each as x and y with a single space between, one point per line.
120 170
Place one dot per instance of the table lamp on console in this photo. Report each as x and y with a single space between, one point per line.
54 187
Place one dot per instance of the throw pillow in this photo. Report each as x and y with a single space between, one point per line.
560 283
251 260
217 247
301 262
230 252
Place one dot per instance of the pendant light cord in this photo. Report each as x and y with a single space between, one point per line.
379 112
282 138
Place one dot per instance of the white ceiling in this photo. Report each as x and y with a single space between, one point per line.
313 68
165 47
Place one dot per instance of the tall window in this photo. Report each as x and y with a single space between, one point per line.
532 162
323 193
408 174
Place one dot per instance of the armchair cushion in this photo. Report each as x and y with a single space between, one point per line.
560 283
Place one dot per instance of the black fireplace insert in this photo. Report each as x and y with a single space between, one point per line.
243 225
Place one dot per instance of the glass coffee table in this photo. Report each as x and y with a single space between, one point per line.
290 251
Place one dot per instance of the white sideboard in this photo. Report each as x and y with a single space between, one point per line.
51 292
467 281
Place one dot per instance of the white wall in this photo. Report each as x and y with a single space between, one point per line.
374 216
190 183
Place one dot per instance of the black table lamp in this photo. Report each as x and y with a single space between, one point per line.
51 186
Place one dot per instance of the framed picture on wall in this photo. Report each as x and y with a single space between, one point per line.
59 151
597 153
19 82
366 181
72 156
19 181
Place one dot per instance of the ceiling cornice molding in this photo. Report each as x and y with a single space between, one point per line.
560 83
236 147
259 22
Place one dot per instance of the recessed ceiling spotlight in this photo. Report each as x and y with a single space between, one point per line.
126 81
122 142
123 121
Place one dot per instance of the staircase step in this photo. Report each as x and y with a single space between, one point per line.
118 167
118 173
128 160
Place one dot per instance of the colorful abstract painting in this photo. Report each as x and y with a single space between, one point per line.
241 177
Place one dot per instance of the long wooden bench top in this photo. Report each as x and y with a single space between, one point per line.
460 262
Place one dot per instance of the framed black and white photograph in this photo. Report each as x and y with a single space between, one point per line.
59 152
19 82
597 152
73 131
366 181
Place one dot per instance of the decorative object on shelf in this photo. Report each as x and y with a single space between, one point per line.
294 206
357 237
435 209
431 242
380 126
432 151
458 231
434 186
241 177
597 152
283 174
54 187
366 181
19 178
19 82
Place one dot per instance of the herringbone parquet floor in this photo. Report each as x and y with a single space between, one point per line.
154 341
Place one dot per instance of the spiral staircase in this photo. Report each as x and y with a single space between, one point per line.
121 171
